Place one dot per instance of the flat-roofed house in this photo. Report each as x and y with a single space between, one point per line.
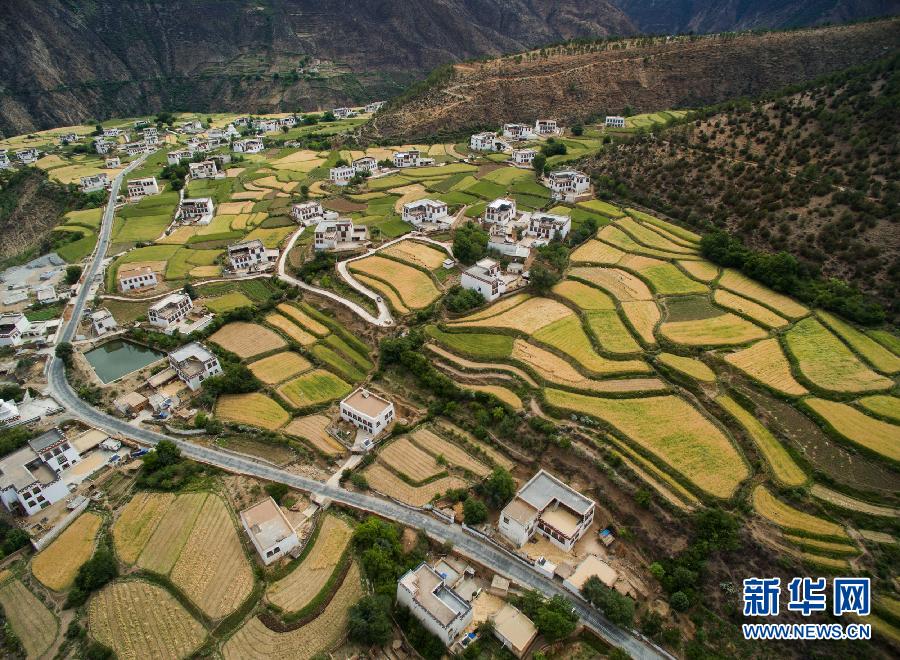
546 226
441 610
194 363
132 278
613 121
246 254
367 411
425 211
523 156
197 211
170 310
28 156
547 506
113 161
517 131
269 530
248 146
514 630
112 132
133 148
485 278
94 182
566 185
339 234
365 164
138 188
151 135
374 106
175 157
500 211
268 125
341 175
591 566
13 327
55 450
546 127
30 477
69 138
307 213
342 113
482 141
411 158
4 159
102 321
205 169
102 146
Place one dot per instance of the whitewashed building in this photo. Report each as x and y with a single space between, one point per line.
367 411
13 326
194 363
517 131
339 234
138 188
411 158
69 138
27 156
501 211
365 164
487 141
614 121
246 254
547 506
425 211
94 182
341 175
198 210
485 278
307 213
343 113
132 278
175 157
112 132
248 146
374 106
436 605
103 146
205 169
151 135
170 310
546 226
133 148
102 321
113 161
269 530
523 156
30 477
566 185
4 159
546 127
9 412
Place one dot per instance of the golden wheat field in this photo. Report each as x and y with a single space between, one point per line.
609 330
700 270
312 428
300 586
826 546
253 409
291 329
873 352
304 319
596 252
415 288
883 405
735 281
29 618
452 453
507 396
165 544
417 253
279 367
527 317
646 236
56 565
643 315
622 285
406 458
498 307
688 366
568 336
787 517
386 291
749 308
387 483
452 430
254 640
583 296
140 620
246 339
671 429
851 503
137 522
664 278
765 362
724 330
614 236
554 369
857 427
212 569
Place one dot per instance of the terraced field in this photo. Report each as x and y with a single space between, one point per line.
314 387
57 564
254 409
247 339
789 518
414 288
765 362
279 367
30 620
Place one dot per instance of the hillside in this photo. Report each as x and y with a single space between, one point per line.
812 173
30 206
572 83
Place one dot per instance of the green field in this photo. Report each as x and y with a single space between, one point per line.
475 345
313 388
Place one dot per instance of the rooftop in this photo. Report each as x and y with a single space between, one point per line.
267 523
90 439
13 472
562 520
172 299
515 628
590 566
193 350
520 511
543 488
366 402
45 440
428 589
126 272
244 246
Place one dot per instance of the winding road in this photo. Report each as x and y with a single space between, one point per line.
478 550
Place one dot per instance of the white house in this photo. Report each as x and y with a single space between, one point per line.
367 411
487 141
485 278
514 630
9 412
102 321
613 121
425 211
365 164
566 185
341 175
27 156
151 135
192 126
248 146
132 278
374 106
441 610
94 182
133 148
30 477
517 131
269 530
170 310
523 156
339 234
138 188
175 157
113 161
500 211
102 146
112 132
546 127
547 506
268 125
69 138
246 254
205 169
46 294
307 213
194 363
4 159
231 132
546 226
12 328
343 113
199 210
411 158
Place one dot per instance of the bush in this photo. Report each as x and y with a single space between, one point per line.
680 601
370 621
276 491
64 352
93 574
459 299
498 488
470 243
73 274
618 608
474 511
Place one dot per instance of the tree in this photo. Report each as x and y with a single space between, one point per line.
474 511
555 619
93 574
328 116
64 352
680 601
577 130
370 621
618 608
470 243
459 299
276 491
190 291
542 279
538 163
498 488
73 274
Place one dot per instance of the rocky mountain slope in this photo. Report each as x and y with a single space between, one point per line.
574 82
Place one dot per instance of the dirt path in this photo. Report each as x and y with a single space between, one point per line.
481 366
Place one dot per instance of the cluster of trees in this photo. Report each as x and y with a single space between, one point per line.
93 574
73 274
459 299
165 469
494 493
618 608
470 243
11 538
548 267
553 617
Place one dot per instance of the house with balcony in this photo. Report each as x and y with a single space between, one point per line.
485 278
365 164
547 226
518 132
340 234
139 188
170 310
205 169
103 146
613 121
411 158
194 363
175 157
523 157
546 127
151 136
500 211
13 327
248 146
249 255
28 156
567 185
136 277
426 211
368 412
198 211
488 141
94 182
308 213
440 609
341 175
30 478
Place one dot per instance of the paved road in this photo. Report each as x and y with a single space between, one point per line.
69 328
480 551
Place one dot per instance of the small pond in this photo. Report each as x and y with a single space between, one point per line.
116 358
